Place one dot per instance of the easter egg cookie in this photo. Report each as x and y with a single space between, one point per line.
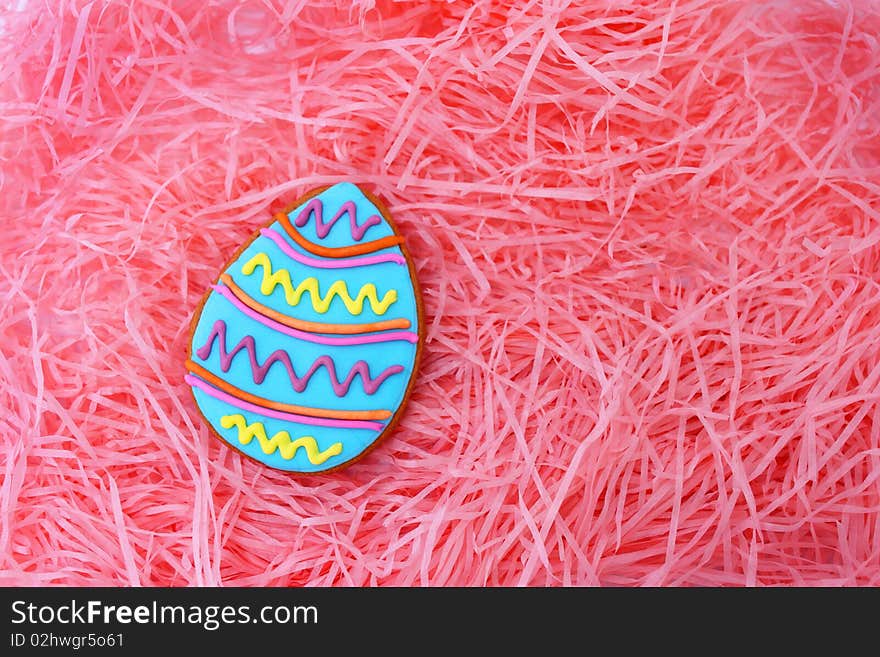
304 350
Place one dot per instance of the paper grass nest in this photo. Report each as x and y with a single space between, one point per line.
647 236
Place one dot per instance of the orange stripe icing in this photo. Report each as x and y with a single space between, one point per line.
197 369
312 327
338 251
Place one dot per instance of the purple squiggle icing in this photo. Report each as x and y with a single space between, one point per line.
371 385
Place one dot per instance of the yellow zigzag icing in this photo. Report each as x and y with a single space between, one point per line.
338 288
280 441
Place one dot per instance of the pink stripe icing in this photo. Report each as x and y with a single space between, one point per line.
409 336
278 415
336 263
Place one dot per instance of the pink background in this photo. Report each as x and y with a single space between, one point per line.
647 233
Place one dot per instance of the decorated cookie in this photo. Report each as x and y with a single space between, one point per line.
304 351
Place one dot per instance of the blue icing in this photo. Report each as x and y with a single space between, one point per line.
319 392
354 440
340 234
385 276
277 386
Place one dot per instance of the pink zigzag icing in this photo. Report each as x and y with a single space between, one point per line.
316 207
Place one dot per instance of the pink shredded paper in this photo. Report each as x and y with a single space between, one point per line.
648 238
